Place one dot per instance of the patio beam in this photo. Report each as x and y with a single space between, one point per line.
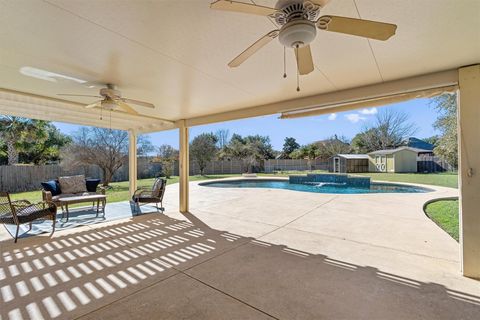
183 166
469 168
132 161
332 100
28 105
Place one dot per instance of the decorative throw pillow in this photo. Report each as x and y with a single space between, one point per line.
73 184
92 184
52 186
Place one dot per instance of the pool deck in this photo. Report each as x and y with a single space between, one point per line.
248 254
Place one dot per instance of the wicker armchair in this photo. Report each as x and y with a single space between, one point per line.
22 211
153 195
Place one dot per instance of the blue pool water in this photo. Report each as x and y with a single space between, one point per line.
317 187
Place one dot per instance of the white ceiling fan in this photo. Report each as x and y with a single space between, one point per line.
111 99
299 21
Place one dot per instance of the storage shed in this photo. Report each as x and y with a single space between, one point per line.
399 160
349 163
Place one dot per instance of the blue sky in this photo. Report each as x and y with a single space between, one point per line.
305 130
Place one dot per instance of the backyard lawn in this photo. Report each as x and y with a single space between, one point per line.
118 191
445 214
447 179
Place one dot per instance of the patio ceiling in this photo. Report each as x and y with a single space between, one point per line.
175 53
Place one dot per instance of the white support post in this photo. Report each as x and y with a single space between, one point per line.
183 167
132 161
469 169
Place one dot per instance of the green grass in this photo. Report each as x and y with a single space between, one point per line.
119 190
445 214
448 179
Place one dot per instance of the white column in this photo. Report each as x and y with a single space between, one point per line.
183 167
469 169
132 161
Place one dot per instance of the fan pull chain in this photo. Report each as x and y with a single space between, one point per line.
110 122
101 113
284 62
298 76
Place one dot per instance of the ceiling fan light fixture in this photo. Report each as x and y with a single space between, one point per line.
108 104
297 33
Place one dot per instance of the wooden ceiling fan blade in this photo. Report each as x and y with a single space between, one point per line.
78 95
126 107
242 7
140 103
93 105
304 60
253 48
357 27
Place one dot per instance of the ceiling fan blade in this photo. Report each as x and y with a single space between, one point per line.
304 60
78 95
242 7
93 105
140 103
320 3
253 48
357 27
125 107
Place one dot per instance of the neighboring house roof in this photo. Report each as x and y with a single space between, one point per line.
419 144
352 156
392 151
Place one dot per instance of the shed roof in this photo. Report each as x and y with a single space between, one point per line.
392 151
352 156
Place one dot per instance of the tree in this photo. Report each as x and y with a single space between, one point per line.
105 148
222 137
47 150
16 132
390 130
203 149
309 152
447 143
433 140
167 155
289 146
332 146
250 150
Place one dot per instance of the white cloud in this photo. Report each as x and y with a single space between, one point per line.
332 116
369 111
354 117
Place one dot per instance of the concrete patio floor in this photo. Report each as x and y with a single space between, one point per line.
246 254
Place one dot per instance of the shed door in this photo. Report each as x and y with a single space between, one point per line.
381 163
336 164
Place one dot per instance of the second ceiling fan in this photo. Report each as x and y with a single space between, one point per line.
299 21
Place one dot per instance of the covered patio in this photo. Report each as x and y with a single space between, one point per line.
192 263
240 259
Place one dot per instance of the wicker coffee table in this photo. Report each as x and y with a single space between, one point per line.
98 198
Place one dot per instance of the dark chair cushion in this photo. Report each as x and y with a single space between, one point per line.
52 186
92 184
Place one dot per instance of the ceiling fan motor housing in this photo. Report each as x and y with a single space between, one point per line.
110 92
297 33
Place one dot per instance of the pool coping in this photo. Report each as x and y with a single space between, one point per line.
429 188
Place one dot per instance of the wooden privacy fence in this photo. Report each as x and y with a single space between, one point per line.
216 167
28 177
295 165
432 164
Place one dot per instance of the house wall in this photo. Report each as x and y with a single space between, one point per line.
405 161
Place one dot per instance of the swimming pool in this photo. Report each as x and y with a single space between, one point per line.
316 187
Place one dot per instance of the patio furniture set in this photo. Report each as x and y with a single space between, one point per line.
67 191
